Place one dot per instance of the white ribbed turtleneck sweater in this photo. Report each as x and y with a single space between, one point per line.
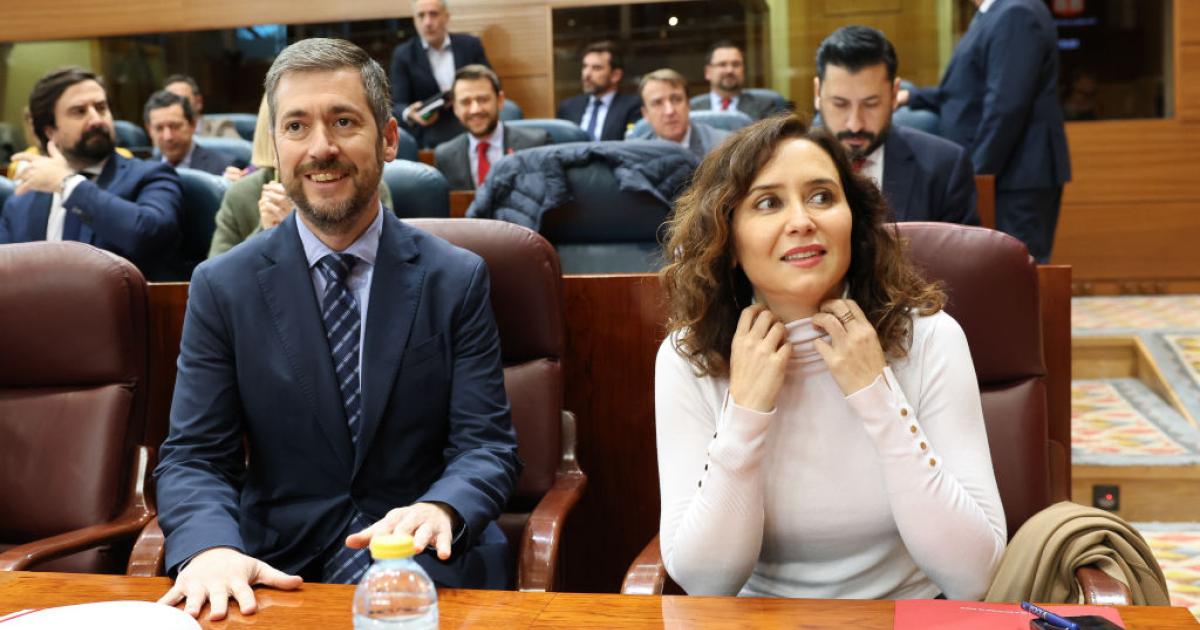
884 494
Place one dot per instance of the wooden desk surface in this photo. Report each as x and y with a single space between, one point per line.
328 607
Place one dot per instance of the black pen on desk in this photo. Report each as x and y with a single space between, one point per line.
1065 624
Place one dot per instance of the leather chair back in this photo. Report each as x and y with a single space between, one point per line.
527 300
408 149
202 194
771 95
560 130
131 136
992 286
239 149
919 119
418 190
6 189
604 229
72 392
729 121
511 111
242 122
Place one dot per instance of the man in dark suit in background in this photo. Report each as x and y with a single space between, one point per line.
725 71
171 125
477 98
423 68
923 177
601 110
83 190
999 100
356 357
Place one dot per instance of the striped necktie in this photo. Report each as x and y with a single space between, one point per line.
339 311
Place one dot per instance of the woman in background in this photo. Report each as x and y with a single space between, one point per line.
819 425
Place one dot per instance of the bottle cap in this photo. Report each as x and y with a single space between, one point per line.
388 546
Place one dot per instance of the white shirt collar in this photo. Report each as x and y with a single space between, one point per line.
186 162
496 139
427 47
606 98
873 166
686 140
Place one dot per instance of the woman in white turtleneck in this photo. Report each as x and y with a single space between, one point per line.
819 425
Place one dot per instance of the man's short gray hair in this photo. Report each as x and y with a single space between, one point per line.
444 3
320 54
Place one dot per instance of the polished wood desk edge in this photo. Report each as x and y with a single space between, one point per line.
22 589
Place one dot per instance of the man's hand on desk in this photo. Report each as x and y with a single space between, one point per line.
425 522
217 574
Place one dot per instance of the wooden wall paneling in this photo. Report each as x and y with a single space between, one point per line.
168 303
1187 21
1187 89
517 43
614 326
1130 240
1142 162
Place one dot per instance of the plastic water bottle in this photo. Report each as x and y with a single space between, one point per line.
395 592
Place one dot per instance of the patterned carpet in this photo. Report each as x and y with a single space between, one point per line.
1123 422
1177 548
1138 313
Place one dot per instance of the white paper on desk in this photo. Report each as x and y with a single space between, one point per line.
103 616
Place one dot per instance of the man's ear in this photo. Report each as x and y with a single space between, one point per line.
816 93
895 93
391 139
618 74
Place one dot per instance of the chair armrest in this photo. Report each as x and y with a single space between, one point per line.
543 532
1100 589
647 575
149 552
127 525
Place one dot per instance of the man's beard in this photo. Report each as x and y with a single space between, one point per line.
335 217
489 129
94 145
874 141
729 84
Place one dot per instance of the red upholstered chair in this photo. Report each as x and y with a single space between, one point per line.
527 300
992 285
72 408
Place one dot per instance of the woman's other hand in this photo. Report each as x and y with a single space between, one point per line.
855 357
758 359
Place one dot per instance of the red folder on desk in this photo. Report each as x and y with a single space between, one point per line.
939 614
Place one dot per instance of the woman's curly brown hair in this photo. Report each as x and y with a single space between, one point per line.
706 292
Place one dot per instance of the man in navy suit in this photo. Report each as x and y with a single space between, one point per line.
923 177
999 100
423 68
601 110
171 125
83 190
339 375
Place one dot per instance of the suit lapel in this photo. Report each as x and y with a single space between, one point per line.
898 167
113 171
396 285
287 290
424 64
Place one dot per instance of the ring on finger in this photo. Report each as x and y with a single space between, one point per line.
846 317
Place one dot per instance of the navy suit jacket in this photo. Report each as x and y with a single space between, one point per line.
927 178
207 160
210 160
625 110
254 364
133 209
412 80
999 97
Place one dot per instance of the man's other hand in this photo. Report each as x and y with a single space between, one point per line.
425 522
217 574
